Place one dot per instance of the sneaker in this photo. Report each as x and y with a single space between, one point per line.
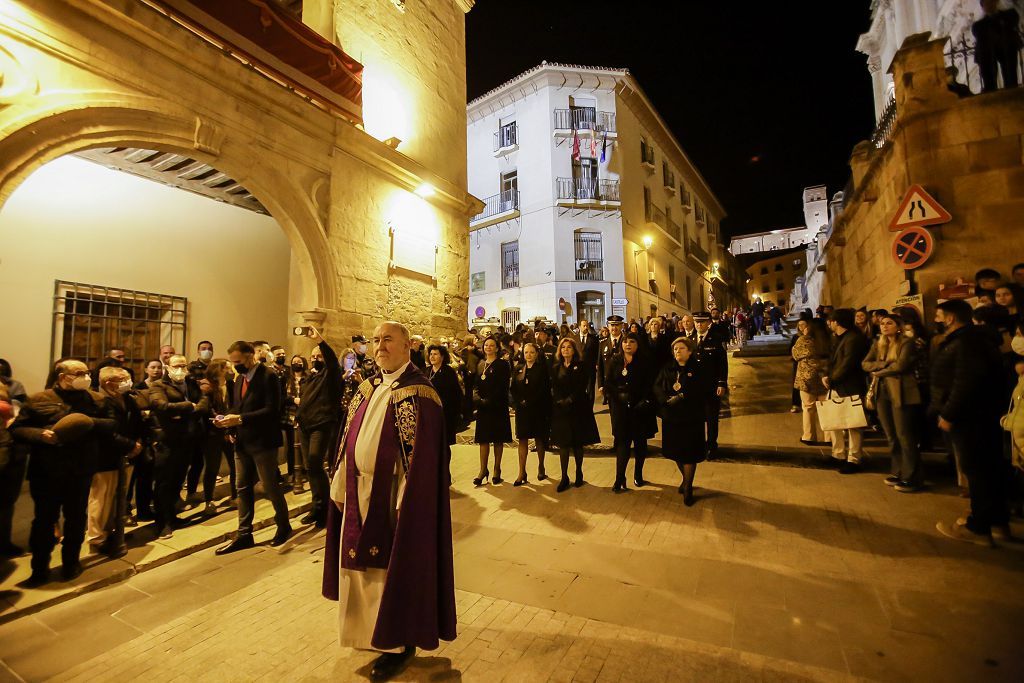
906 487
892 480
960 532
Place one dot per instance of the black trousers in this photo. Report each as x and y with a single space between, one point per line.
1006 61
172 461
712 407
196 462
141 485
262 464
11 477
216 448
316 446
979 447
55 496
592 386
622 445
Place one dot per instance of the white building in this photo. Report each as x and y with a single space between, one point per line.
892 21
628 226
815 218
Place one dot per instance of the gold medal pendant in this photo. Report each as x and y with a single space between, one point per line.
624 372
677 386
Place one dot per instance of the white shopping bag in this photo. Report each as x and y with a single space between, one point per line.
841 412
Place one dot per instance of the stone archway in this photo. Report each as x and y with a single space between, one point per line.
47 133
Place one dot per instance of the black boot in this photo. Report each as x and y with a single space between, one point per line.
390 664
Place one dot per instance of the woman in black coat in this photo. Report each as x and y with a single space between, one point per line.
677 390
572 415
490 395
531 398
627 384
444 380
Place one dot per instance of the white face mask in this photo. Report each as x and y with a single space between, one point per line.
1017 344
124 387
81 383
205 354
177 374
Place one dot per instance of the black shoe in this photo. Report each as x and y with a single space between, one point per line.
311 518
639 481
579 479
114 550
712 452
497 476
808 442
179 523
520 482
10 550
70 572
563 484
619 486
481 480
280 537
849 468
240 543
37 579
390 664
541 475
688 499
145 516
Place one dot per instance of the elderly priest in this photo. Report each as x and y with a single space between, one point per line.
388 561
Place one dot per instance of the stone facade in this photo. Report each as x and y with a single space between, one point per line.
102 73
966 152
772 279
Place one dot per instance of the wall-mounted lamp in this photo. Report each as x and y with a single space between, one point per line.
393 142
648 241
425 190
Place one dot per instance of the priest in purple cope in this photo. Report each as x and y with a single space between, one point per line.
388 560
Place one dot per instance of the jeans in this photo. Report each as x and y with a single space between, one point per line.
758 324
249 465
812 428
55 496
900 431
316 447
622 445
839 451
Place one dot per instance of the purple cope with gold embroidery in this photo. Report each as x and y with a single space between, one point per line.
418 604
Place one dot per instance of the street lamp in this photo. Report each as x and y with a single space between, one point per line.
647 241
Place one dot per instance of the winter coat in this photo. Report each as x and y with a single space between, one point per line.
811 366
898 375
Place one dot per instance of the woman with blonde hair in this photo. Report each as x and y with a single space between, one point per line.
891 363
810 352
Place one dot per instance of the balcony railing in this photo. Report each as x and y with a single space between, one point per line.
506 136
503 202
587 189
675 230
655 215
668 177
685 199
694 249
699 215
647 154
886 122
585 119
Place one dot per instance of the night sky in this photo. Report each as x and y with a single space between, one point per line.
766 98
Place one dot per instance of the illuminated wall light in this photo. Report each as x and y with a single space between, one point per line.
425 190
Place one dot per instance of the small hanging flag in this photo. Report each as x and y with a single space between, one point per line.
593 146
604 148
575 146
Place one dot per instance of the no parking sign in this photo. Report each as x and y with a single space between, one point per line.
912 247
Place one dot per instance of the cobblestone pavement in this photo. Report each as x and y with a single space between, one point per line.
775 574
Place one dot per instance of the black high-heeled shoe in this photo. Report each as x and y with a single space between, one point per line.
619 486
520 482
563 485
496 479
541 475
480 481
688 499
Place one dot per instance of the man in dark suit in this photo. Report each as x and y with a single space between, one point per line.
255 417
610 346
590 347
713 369
179 407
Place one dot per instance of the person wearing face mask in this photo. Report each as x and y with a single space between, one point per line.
204 353
108 493
628 383
62 427
365 363
297 371
713 362
320 414
116 358
179 405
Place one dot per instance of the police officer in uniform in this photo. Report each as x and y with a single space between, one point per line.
713 369
610 346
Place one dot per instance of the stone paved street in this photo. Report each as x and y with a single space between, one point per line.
777 573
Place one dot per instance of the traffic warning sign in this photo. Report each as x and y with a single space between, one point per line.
912 248
918 208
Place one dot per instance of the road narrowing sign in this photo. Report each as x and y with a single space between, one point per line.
918 208
912 248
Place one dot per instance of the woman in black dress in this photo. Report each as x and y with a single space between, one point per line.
682 413
627 384
490 395
444 380
531 398
572 415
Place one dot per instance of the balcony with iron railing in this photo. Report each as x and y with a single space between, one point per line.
698 252
589 270
497 208
676 231
668 178
647 155
584 121
655 215
699 216
589 192
685 199
506 139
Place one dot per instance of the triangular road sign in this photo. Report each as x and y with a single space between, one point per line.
918 208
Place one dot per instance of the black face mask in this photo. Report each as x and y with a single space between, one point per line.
318 365
298 367
279 360
940 328
241 369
